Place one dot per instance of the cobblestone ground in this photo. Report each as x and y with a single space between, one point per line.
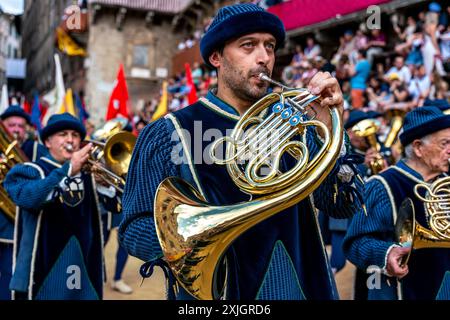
153 288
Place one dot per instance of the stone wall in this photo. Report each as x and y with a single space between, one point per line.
108 47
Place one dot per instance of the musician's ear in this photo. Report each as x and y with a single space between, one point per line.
215 59
417 144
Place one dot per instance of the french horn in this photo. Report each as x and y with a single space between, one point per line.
194 235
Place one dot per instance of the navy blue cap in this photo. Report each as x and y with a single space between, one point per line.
237 20
421 122
60 122
15 111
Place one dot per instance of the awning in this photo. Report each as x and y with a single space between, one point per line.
163 6
300 13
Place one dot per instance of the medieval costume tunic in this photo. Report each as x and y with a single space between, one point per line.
370 238
33 150
58 251
282 257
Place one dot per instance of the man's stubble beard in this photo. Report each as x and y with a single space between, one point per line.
240 84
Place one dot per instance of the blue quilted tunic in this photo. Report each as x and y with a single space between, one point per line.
282 257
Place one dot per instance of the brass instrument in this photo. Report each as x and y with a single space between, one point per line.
110 128
10 155
396 122
437 209
110 160
195 235
368 129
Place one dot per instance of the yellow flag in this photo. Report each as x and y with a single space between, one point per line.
67 105
162 108
67 45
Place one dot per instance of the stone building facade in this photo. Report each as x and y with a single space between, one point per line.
10 46
143 35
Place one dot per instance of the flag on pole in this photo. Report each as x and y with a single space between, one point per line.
82 113
192 97
4 101
162 107
67 105
55 97
118 102
67 45
36 112
25 105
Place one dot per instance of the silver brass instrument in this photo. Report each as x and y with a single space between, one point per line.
195 235
10 155
437 209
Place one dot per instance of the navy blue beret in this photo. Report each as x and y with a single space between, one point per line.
15 111
421 122
237 20
60 122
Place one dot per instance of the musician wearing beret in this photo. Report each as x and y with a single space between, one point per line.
58 252
282 257
15 121
371 241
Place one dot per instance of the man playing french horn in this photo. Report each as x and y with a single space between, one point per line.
223 241
59 247
374 242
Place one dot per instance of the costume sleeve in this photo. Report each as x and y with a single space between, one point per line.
339 196
150 165
28 189
109 198
370 236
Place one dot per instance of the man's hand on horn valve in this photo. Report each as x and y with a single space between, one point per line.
328 88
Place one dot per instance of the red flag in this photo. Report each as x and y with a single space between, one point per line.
192 97
118 102
26 106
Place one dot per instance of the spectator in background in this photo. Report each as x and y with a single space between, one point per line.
140 124
419 87
312 49
400 69
346 47
414 48
376 44
430 50
298 57
359 74
376 93
409 30
445 48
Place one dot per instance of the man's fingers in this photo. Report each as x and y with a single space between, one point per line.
335 100
85 150
322 82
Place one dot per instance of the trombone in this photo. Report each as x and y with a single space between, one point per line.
110 160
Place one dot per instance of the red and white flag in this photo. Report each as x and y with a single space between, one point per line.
118 102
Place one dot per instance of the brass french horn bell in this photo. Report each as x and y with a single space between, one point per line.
194 235
408 230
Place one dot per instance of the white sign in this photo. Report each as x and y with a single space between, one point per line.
140 73
162 72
